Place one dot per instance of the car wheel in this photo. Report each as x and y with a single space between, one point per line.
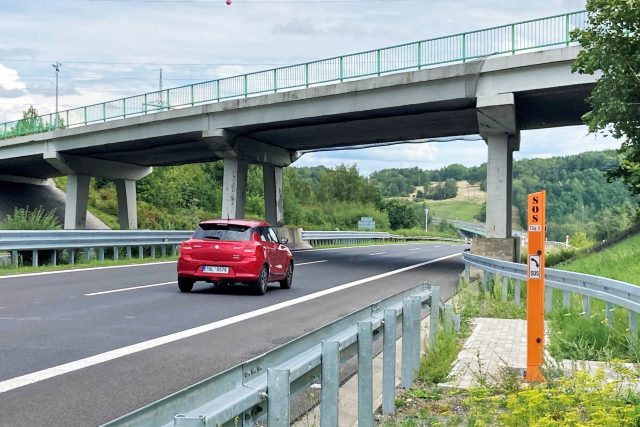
260 285
288 278
185 285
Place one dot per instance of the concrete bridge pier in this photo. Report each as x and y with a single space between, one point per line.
127 204
79 171
498 126
273 195
234 187
77 198
238 152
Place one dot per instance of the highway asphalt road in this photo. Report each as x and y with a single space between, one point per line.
82 348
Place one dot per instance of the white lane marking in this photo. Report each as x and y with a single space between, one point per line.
133 288
130 289
311 262
415 249
78 270
356 247
378 253
55 371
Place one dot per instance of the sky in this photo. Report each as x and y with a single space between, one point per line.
111 49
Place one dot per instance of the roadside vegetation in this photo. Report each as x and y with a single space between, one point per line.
26 219
501 399
80 263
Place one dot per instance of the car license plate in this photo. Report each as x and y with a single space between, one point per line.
212 269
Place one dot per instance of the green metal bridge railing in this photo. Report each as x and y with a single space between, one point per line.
506 39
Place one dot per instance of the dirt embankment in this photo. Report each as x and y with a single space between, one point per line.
48 197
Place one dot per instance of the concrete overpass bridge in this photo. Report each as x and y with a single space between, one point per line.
493 82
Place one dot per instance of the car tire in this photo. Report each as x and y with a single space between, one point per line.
288 278
260 285
185 285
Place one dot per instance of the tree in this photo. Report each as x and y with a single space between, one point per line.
30 122
401 214
611 45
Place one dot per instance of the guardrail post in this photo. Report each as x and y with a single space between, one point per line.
610 315
633 326
163 251
434 315
54 257
128 252
456 322
115 253
517 293
14 259
467 274
141 252
388 363
407 331
448 317
566 299
586 305
330 383
100 254
505 288
365 374
174 250
278 391
485 281
34 258
87 254
548 299
153 251
72 256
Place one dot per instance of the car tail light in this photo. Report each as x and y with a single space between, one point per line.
251 249
186 248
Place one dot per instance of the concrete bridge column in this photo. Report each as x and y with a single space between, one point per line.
234 187
79 170
273 195
77 198
127 205
499 181
498 126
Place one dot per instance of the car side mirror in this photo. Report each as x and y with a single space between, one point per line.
284 240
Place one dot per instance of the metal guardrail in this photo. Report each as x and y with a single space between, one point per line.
613 292
94 243
505 39
354 237
261 388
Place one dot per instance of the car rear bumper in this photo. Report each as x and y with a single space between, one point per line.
245 270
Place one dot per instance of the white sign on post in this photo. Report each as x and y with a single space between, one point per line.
534 266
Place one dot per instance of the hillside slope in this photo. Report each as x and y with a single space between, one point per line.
618 261
49 197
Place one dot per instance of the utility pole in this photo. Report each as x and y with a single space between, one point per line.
426 219
56 67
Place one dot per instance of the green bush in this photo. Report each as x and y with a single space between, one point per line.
437 361
25 219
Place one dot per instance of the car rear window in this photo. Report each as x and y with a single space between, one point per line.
232 232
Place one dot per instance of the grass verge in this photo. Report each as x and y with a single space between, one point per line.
8 271
565 399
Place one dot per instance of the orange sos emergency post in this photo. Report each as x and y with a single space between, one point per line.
535 286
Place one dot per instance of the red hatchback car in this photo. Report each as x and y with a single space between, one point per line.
235 251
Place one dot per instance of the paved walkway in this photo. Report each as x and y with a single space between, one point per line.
496 345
